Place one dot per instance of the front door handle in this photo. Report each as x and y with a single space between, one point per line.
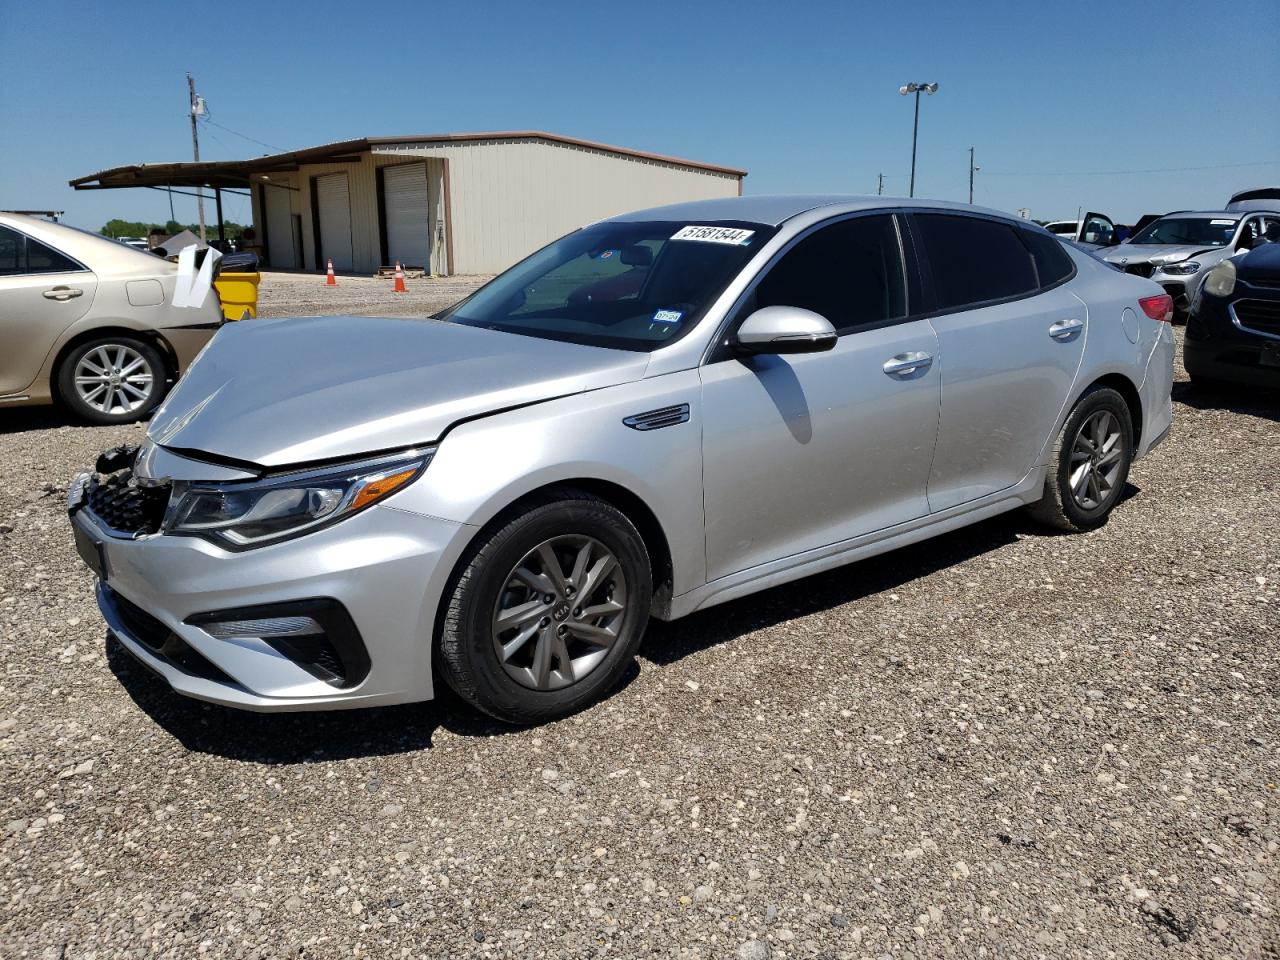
62 294
905 364
1065 329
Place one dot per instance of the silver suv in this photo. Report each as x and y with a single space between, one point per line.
652 415
1179 249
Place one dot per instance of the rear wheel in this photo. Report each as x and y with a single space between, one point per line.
547 611
1090 463
112 380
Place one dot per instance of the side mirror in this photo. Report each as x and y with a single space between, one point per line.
784 330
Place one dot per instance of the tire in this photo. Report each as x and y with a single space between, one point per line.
130 397
1065 509
526 681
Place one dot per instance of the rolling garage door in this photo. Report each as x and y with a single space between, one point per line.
407 211
280 249
333 202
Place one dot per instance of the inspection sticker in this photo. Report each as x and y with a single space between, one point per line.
730 235
667 316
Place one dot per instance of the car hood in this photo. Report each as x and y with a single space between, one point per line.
1154 252
289 392
1261 263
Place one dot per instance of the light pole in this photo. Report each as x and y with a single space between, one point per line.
910 88
972 168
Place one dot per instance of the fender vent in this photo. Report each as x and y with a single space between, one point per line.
657 419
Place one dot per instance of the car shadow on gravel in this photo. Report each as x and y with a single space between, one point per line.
668 642
27 419
313 737
1232 398
288 738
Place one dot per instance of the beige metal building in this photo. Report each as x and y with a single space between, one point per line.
451 203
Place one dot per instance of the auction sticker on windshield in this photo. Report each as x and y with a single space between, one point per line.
730 235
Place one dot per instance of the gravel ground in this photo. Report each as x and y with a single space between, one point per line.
305 294
1000 743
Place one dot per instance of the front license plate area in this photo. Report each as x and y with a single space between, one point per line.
1270 356
92 552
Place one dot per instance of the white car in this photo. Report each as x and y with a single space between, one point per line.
90 323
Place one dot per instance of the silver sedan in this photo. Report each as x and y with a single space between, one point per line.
653 415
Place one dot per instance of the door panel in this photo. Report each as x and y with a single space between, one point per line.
1007 371
31 322
806 450
279 213
408 214
333 198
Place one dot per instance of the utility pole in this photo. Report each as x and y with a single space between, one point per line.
880 186
971 169
195 152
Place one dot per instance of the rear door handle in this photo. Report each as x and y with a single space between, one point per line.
62 294
905 364
1065 329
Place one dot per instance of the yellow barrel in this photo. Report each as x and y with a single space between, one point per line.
238 293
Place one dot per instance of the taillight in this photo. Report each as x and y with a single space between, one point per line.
1158 307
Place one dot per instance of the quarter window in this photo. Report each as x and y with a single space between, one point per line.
19 255
1053 264
849 272
974 261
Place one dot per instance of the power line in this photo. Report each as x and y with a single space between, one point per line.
269 146
1119 173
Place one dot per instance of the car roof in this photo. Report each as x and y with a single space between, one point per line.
1201 214
775 210
99 253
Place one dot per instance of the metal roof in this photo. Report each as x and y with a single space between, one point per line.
239 173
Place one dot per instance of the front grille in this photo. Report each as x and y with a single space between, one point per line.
1262 315
126 508
162 641
1140 269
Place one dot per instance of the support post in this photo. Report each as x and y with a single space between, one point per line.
222 230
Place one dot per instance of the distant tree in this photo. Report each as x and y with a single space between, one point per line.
125 228
134 228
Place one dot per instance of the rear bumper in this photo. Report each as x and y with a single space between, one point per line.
1156 392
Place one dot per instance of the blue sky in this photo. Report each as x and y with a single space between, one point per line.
1063 102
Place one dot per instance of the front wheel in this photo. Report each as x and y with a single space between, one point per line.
1090 463
547 611
112 379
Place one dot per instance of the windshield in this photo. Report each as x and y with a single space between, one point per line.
1200 232
630 286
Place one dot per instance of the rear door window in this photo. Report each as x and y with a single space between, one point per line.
974 261
20 255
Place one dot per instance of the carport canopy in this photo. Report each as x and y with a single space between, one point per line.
218 175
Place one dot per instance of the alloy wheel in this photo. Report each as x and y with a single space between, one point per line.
114 379
559 612
1097 456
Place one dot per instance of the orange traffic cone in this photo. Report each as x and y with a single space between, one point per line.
330 280
400 287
